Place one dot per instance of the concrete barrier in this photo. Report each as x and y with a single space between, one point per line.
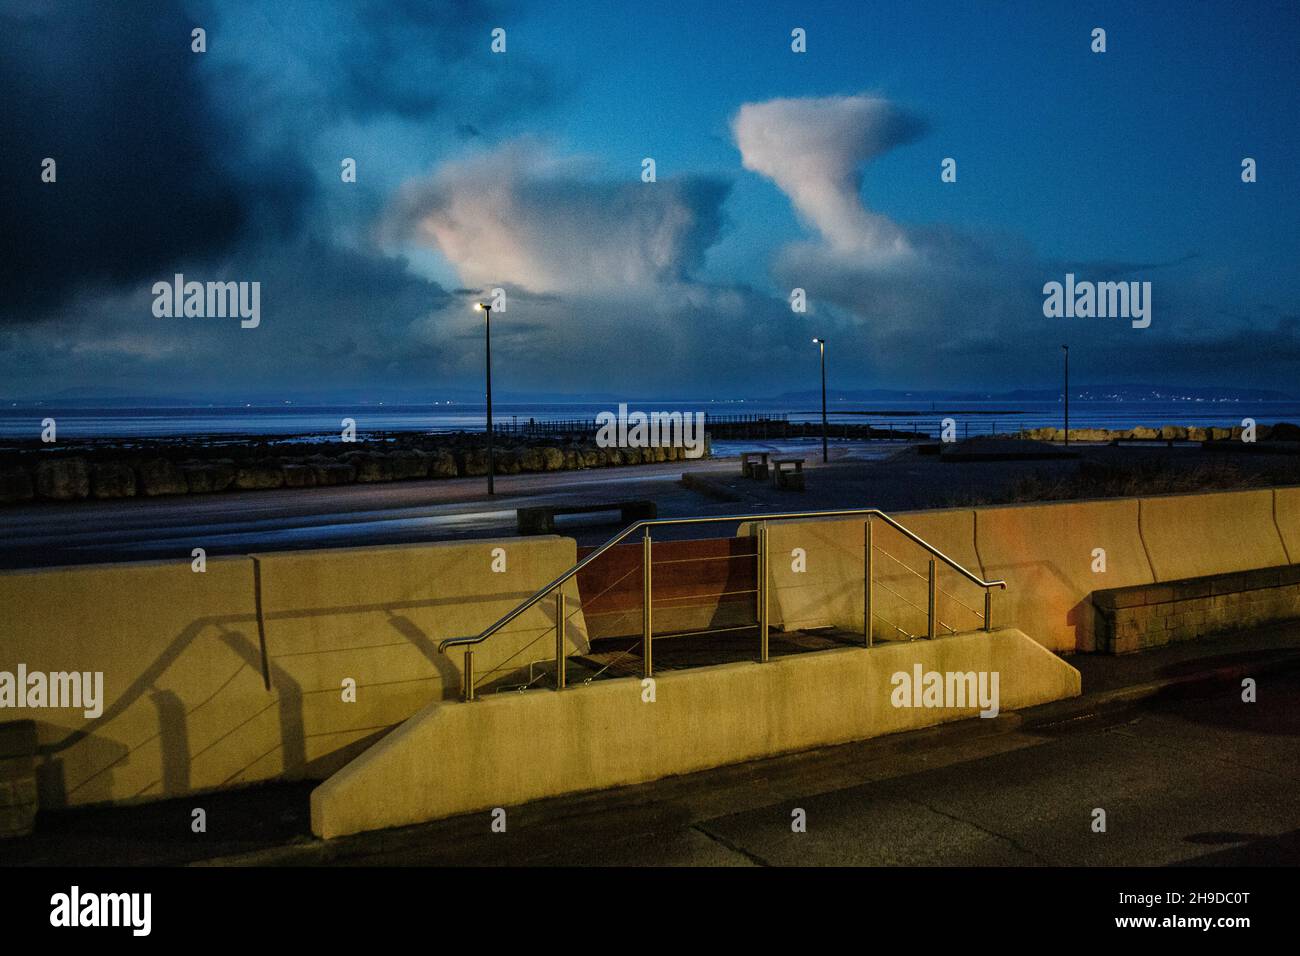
1189 536
507 749
235 675
1286 514
1047 554
184 704
376 615
828 591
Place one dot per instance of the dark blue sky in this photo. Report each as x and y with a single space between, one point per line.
522 170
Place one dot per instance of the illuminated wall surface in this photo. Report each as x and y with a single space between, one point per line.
347 639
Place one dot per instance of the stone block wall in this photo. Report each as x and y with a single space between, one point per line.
1144 616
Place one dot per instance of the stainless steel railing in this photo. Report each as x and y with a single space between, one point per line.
647 613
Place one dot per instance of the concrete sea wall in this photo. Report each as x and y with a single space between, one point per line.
236 674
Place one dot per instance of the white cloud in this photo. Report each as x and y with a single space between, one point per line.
520 216
813 149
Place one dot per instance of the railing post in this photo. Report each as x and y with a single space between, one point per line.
647 614
469 676
560 624
930 624
988 604
867 585
762 592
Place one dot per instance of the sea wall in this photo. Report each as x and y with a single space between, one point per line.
196 469
263 666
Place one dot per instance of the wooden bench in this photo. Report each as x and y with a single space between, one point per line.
751 468
788 473
541 519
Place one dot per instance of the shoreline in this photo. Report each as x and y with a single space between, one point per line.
107 469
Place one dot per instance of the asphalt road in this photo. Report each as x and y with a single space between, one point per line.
132 529
136 529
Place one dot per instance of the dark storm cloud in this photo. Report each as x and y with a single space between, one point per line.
169 157
145 173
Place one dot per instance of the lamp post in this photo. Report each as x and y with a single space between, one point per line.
487 311
821 343
1066 350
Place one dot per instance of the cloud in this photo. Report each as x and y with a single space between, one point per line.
602 277
521 216
937 307
165 155
814 148
146 175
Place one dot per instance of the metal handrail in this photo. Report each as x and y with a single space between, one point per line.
720 519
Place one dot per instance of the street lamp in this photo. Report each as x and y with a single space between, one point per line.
487 311
825 454
1066 350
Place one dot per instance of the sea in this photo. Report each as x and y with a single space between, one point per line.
85 421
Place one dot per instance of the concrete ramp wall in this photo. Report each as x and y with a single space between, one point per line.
823 586
236 674
1047 555
506 749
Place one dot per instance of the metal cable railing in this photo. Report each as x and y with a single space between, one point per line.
947 627
762 598
948 594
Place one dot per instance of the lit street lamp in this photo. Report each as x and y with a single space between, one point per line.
487 311
825 454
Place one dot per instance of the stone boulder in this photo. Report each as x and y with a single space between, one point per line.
505 461
531 459
474 462
442 464
330 472
299 476
372 468
255 476
112 479
554 458
63 479
208 477
160 477
1143 432
409 464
